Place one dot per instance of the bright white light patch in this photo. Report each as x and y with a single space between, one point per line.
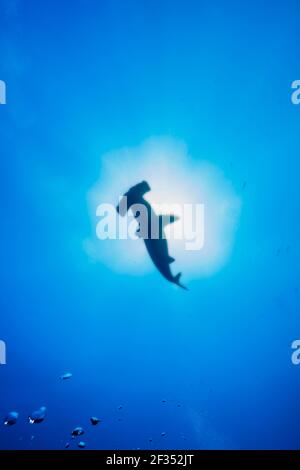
174 178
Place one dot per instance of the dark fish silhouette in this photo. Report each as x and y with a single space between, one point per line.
157 245
94 420
77 432
11 418
38 416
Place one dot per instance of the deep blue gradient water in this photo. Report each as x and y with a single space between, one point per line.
84 78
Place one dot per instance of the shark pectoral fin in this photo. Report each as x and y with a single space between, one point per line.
171 260
168 219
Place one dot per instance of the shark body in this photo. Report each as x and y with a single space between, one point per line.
150 223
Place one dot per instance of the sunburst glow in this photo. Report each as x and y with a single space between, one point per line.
174 178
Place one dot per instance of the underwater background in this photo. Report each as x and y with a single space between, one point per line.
160 367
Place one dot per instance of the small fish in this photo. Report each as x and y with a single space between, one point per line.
11 418
81 445
38 416
94 420
163 434
120 407
67 445
66 376
77 432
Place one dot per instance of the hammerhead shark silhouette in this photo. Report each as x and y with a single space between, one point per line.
157 246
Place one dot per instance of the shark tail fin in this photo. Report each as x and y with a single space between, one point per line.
168 219
177 281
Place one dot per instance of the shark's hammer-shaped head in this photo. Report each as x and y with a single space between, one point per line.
133 196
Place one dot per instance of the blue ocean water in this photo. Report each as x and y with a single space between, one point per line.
210 368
